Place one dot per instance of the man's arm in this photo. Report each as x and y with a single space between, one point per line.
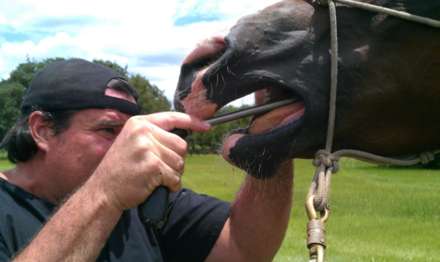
258 220
78 231
143 156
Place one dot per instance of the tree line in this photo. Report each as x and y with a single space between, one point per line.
151 99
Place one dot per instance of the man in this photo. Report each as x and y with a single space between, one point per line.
85 159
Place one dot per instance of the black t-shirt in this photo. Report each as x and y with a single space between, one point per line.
194 224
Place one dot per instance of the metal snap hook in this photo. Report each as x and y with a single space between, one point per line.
312 213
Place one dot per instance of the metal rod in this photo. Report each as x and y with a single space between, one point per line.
227 117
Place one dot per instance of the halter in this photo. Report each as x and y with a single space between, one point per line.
326 161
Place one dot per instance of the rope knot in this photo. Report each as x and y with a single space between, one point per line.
426 157
327 159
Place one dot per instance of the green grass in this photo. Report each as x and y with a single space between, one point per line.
4 165
377 213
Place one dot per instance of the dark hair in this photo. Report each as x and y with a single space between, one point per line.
19 142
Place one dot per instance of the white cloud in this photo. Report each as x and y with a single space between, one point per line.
121 32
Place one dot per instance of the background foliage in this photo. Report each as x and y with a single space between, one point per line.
151 100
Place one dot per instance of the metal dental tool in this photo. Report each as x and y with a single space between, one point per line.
250 111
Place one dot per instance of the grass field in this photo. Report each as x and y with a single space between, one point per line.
378 213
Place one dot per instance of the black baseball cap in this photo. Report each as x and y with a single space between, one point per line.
75 84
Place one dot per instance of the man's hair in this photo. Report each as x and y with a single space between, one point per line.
59 90
18 141
20 144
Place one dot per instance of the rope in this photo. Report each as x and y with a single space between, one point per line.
423 158
319 190
325 161
325 166
392 12
384 10
333 75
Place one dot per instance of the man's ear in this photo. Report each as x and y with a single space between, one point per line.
41 130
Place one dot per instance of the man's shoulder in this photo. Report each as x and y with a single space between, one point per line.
21 207
10 196
21 216
13 196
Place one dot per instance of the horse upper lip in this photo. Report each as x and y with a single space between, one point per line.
203 78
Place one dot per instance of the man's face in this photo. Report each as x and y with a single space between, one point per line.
75 153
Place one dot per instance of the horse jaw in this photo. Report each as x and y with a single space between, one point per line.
285 48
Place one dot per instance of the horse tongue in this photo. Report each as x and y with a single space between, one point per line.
276 118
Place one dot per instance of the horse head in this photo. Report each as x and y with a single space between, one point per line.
388 99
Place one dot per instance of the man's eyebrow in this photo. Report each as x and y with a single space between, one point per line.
111 123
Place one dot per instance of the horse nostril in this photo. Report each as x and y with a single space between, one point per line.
219 40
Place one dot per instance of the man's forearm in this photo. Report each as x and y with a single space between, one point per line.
77 231
258 220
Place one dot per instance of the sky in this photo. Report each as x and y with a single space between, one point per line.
149 37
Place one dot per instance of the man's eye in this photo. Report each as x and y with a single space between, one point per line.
109 130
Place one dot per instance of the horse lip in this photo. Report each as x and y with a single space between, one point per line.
294 119
295 122
251 81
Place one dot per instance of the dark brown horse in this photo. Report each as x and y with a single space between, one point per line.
388 99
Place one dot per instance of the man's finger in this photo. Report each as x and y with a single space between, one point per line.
169 156
169 140
172 120
170 178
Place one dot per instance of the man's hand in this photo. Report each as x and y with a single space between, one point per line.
144 156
